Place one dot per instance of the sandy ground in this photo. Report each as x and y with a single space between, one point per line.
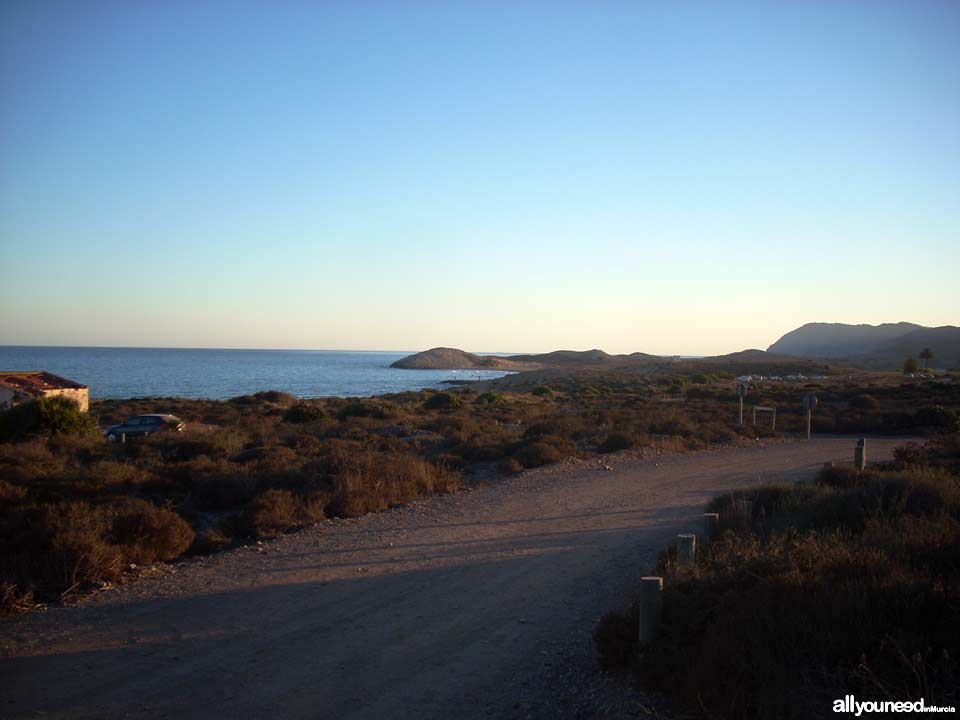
478 604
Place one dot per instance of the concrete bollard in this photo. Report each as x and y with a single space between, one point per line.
651 607
711 526
686 549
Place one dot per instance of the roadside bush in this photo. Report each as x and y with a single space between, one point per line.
509 466
542 391
536 454
147 533
272 513
619 441
58 548
224 490
488 398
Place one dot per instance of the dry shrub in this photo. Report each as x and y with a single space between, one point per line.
272 513
547 449
11 494
509 466
147 533
193 443
224 490
25 462
370 482
621 441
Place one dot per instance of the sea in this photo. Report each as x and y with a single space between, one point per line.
221 374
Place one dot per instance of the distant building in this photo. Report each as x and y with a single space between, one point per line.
18 387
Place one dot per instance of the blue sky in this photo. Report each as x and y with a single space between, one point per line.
666 177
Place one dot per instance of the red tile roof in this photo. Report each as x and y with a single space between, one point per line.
36 381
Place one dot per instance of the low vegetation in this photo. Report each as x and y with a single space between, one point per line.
75 510
850 585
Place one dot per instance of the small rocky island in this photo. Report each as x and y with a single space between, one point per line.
441 358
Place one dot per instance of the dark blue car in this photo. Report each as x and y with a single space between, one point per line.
141 425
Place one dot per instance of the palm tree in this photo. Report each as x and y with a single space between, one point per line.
926 354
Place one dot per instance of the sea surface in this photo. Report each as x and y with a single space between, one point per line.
221 374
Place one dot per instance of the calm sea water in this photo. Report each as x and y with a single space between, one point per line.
220 374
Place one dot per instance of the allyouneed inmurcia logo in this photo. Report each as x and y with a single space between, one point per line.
849 704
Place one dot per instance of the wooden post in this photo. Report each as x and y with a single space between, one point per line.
754 415
711 525
860 454
651 607
686 549
123 438
774 428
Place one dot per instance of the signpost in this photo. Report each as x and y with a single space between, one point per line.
741 393
809 404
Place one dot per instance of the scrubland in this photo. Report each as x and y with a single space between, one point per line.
77 511
849 585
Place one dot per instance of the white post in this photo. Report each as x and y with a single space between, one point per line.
651 607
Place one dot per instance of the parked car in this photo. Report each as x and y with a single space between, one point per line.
142 425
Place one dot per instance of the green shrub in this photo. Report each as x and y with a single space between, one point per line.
488 398
53 415
542 391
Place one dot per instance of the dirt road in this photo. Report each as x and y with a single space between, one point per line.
479 604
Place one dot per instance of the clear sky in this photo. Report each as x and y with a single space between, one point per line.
672 177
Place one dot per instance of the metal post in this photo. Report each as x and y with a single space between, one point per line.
809 413
754 415
774 428
686 549
123 438
651 607
740 422
711 525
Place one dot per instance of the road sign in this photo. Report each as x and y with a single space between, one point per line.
810 402
742 390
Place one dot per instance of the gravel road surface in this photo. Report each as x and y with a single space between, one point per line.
473 605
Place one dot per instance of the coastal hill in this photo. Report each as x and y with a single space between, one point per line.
441 358
874 346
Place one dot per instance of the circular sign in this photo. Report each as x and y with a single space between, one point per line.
810 402
741 390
